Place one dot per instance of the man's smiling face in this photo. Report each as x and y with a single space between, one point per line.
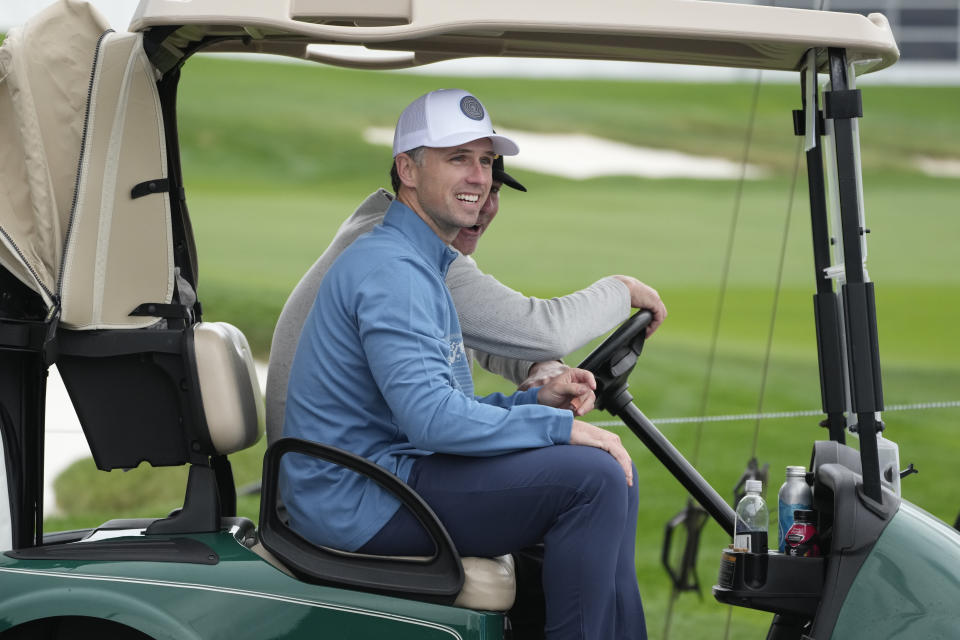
451 186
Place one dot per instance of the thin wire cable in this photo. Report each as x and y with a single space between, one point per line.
730 417
733 417
756 429
724 280
776 299
726 630
728 259
668 619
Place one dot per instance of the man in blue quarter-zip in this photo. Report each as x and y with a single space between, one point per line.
380 370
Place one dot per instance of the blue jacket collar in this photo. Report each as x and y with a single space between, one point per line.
401 217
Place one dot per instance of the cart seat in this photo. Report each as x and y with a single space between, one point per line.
167 397
489 584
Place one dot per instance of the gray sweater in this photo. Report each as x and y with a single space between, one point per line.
506 330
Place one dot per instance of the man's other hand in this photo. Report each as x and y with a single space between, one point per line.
540 373
584 433
572 389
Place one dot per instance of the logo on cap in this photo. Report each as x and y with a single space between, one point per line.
471 108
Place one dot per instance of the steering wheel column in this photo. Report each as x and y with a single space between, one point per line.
611 364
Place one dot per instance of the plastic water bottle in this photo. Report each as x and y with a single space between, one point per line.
750 531
794 494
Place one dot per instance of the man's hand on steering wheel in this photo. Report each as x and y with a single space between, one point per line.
645 297
572 389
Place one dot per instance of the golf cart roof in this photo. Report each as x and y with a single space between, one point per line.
671 31
52 225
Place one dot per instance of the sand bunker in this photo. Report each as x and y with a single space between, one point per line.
938 167
579 156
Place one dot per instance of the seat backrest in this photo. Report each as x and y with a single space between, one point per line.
298 305
119 245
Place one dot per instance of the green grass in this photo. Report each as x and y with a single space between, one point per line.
274 160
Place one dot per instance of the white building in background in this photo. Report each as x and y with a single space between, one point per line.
926 30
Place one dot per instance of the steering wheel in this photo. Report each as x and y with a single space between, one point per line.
612 362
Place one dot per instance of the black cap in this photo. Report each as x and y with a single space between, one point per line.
502 176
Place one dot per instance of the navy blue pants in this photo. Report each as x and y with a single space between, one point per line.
573 499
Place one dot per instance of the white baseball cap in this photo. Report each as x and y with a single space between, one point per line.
446 118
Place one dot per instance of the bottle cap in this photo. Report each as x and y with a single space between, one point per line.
754 485
796 471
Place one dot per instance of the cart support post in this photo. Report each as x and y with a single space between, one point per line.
859 307
701 491
826 314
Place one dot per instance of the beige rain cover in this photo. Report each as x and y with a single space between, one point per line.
44 76
115 252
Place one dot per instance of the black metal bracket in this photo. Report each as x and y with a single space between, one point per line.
909 471
800 122
226 486
201 506
843 104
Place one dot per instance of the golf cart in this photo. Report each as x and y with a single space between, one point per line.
98 273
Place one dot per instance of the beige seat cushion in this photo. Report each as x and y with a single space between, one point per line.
489 584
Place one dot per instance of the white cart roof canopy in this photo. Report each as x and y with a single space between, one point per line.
81 127
671 31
